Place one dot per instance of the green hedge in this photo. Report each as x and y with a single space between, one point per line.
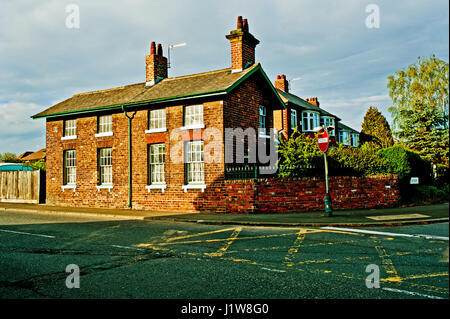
406 164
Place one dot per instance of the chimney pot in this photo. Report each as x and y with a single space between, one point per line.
245 24
153 48
239 22
278 77
159 52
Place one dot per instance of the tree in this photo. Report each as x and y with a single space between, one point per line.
420 107
375 130
8 157
298 154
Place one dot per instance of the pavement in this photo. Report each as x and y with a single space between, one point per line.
341 218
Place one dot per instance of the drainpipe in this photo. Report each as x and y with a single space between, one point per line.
130 181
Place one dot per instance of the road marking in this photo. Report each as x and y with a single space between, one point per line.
126 247
230 240
23 233
394 217
274 270
294 248
412 293
201 234
372 232
388 266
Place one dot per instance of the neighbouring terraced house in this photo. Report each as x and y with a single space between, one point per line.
121 147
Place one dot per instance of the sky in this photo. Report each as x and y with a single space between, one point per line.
325 47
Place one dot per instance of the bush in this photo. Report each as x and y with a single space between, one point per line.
345 160
406 164
419 194
442 176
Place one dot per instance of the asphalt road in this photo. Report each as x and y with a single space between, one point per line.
159 259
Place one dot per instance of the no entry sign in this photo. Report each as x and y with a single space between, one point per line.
322 140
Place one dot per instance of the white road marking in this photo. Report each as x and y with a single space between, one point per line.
372 232
126 247
395 217
23 233
275 270
411 293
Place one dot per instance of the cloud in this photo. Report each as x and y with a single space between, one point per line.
324 43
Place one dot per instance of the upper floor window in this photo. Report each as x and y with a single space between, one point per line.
328 121
310 121
157 120
262 119
344 137
293 119
193 115
70 128
354 139
105 124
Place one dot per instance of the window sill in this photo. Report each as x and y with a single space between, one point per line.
66 138
194 186
162 187
69 186
105 186
156 130
104 134
193 127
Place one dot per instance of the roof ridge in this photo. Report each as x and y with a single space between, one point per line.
106 90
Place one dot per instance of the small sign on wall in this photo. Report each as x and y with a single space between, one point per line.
414 181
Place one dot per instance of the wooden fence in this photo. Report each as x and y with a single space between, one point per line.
22 186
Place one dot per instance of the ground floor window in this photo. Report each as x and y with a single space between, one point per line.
156 156
105 165
70 167
194 163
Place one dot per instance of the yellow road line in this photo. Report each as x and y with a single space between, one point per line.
294 248
388 266
201 234
230 240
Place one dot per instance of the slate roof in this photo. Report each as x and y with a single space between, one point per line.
345 127
195 85
294 99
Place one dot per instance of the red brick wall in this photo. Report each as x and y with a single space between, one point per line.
306 194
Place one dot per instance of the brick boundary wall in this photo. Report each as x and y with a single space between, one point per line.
275 195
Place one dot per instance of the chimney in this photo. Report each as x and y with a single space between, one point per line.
281 83
243 45
313 101
155 65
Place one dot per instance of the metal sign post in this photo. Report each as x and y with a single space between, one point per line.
323 142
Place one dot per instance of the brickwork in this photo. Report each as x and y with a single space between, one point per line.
306 194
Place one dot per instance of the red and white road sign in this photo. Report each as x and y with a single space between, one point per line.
322 140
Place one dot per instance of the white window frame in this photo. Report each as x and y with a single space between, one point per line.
105 168
310 116
70 129
193 117
156 163
294 119
354 139
70 170
329 121
262 120
156 121
194 165
344 137
104 126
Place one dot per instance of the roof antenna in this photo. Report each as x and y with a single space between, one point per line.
294 79
172 46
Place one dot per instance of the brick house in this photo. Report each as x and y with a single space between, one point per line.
121 147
